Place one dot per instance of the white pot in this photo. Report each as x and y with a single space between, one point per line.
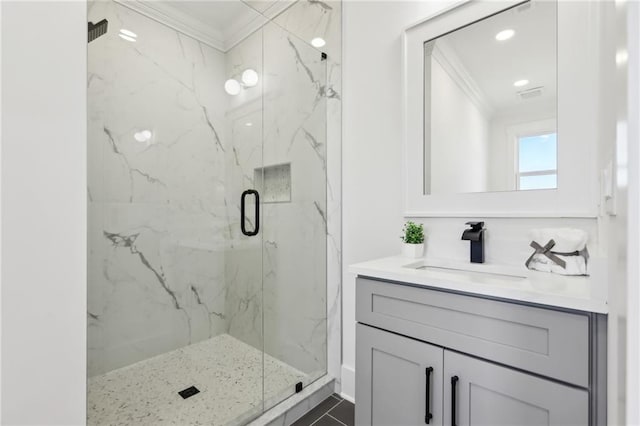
413 250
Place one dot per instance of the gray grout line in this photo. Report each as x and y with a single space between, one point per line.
335 405
317 420
326 412
336 419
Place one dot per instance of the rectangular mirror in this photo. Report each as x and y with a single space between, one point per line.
490 104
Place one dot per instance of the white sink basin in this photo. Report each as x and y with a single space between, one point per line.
478 273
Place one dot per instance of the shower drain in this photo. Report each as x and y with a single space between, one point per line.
189 392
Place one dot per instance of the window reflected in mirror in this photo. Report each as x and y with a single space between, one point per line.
491 104
537 161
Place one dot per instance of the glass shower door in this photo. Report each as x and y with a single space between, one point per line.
294 214
207 213
175 317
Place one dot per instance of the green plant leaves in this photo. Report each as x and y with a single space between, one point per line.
413 233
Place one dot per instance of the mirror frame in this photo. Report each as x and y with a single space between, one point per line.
578 113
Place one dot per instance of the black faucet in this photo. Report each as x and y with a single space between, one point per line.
475 235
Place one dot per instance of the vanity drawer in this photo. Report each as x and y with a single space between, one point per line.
544 341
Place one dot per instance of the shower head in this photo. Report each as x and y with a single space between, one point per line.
96 30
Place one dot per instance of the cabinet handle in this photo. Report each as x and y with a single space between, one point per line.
427 414
454 382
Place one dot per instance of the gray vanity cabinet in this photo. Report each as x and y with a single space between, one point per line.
492 395
469 360
405 380
404 386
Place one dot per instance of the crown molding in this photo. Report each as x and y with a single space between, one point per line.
176 20
451 63
194 28
274 8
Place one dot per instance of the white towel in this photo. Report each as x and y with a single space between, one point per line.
567 239
575 265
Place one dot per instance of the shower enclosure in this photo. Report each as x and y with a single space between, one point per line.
207 211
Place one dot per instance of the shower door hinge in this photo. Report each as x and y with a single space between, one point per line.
298 387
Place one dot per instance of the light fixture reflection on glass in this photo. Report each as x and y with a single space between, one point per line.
622 56
250 77
505 35
128 35
232 86
318 42
143 135
249 124
521 83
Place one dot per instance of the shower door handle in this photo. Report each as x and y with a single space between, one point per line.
242 215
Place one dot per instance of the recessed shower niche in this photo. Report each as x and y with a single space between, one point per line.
275 182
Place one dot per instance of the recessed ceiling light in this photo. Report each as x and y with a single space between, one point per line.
250 77
232 86
249 124
505 35
318 42
521 83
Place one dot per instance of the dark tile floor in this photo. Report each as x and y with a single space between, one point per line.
333 411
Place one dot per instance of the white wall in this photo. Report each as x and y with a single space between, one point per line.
459 137
43 212
622 67
633 307
372 138
0 213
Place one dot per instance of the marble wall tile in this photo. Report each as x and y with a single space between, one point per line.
158 223
293 264
307 20
294 233
243 268
295 131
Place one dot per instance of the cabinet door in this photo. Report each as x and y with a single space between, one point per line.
398 380
487 394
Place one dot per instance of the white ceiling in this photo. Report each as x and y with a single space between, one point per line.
530 54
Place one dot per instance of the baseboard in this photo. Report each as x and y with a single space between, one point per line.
348 398
348 385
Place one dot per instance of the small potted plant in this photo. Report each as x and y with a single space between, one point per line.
413 239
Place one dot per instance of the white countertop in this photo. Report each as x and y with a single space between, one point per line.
505 282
